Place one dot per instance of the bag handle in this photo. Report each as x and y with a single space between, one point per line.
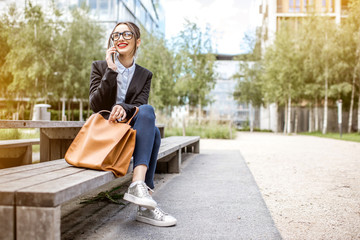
123 121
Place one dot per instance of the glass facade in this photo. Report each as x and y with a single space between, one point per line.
303 6
147 13
223 105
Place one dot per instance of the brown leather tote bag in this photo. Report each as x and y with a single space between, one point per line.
103 145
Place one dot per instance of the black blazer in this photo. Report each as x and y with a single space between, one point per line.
103 88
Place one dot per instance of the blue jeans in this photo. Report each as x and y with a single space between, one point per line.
147 141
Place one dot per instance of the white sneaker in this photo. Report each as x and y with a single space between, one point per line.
139 194
156 217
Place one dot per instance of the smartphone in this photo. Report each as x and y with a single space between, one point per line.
112 55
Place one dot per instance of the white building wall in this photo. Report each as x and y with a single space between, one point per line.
268 117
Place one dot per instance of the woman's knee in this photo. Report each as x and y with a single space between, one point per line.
146 112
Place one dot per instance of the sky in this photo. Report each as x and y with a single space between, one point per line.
228 19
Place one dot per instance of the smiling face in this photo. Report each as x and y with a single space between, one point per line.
123 46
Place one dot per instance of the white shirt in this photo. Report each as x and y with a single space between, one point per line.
123 80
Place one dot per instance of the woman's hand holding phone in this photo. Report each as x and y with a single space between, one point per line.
109 59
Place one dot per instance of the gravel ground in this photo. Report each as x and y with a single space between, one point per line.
311 185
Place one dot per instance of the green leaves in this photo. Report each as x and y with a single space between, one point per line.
195 64
44 54
183 73
158 58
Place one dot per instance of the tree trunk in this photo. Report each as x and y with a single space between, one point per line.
316 116
352 102
325 102
59 111
32 109
68 110
183 126
358 113
63 114
285 118
289 116
81 110
296 121
251 120
310 119
199 112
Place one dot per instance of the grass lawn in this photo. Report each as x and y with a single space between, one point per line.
354 137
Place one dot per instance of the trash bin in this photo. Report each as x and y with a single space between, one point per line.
41 113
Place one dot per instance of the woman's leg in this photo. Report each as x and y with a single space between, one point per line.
149 179
144 124
145 157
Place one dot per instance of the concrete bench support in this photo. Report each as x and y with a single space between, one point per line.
47 219
16 152
7 220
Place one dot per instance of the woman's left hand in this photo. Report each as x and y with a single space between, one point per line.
118 112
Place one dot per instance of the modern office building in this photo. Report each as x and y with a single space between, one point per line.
147 13
273 12
223 105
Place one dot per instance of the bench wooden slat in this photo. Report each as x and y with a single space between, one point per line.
55 192
183 140
39 124
19 142
10 188
12 170
31 172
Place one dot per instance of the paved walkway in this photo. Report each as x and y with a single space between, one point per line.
311 187
214 197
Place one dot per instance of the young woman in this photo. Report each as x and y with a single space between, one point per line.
118 85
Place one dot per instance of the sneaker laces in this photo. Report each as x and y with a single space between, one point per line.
145 189
159 212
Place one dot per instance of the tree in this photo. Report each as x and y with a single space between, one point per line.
351 33
29 58
80 43
282 78
47 56
8 21
248 87
155 55
196 66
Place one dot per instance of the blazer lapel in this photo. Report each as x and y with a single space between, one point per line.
133 84
136 83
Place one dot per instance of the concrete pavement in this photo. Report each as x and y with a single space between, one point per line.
214 197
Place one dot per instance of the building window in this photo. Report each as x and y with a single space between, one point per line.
125 14
344 6
291 5
137 9
297 6
130 4
332 6
323 5
92 4
279 6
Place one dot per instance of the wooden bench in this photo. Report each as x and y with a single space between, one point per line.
31 196
16 152
169 159
55 136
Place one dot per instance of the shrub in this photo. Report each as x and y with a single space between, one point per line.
211 130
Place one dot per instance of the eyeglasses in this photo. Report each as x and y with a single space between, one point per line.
127 35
